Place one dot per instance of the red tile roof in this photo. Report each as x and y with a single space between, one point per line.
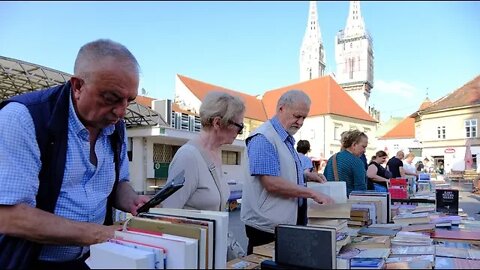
425 104
145 101
327 98
404 130
253 106
467 95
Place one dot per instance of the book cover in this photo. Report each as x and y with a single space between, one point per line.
447 201
159 252
184 230
362 263
459 236
108 255
456 263
370 241
305 246
220 228
335 211
336 224
240 263
413 250
267 250
419 228
337 190
180 253
208 225
377 231
348 252
417 264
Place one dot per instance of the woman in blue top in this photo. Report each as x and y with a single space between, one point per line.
350 167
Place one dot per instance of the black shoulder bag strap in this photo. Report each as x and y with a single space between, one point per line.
116 147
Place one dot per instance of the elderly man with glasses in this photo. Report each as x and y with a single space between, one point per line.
275 191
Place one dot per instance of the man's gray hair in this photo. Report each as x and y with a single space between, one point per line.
220 104
293 96
101 48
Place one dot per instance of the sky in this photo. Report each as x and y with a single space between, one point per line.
254 46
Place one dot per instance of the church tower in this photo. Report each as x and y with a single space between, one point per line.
312 54
354 57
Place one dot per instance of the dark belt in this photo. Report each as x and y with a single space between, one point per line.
77 264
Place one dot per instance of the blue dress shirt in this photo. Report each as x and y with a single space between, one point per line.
85 187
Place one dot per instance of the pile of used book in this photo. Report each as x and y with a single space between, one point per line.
166 239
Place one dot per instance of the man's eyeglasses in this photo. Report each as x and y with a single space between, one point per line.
240 126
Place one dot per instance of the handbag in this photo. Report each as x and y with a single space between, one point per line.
234 249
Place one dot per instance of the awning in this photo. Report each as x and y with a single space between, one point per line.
17 77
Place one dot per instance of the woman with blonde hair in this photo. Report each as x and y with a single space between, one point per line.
221 116
346 165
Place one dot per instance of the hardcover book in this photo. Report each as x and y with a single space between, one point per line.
447 201
305 246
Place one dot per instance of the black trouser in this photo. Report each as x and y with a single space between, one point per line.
78 264
257 237
302 213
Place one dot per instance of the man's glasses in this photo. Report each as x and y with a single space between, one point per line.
240 126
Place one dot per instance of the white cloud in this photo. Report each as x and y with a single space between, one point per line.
396 88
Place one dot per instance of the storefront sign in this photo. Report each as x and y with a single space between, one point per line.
449 150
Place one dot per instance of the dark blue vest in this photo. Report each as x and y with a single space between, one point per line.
49 109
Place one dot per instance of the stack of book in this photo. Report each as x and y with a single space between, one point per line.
409 218
453 252
166 239
350 254
370 242
373 231
359 217
411 239
381 200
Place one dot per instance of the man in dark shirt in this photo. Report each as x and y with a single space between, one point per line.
395 165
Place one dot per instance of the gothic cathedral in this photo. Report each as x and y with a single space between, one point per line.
353 55
312 54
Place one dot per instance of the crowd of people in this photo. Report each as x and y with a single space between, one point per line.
64 164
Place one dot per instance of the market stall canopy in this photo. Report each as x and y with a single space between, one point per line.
17 77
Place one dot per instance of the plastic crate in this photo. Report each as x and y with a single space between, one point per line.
398 182
397 192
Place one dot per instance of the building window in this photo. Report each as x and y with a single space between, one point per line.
366 131
130 149
441 132
230 158
336 132
396 147
471 128
351 67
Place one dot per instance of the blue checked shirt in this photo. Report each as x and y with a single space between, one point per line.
85 187
263 158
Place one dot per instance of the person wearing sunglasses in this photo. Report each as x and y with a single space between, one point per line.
221 117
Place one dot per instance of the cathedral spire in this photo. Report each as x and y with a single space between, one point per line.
354 57
355 24
312 54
